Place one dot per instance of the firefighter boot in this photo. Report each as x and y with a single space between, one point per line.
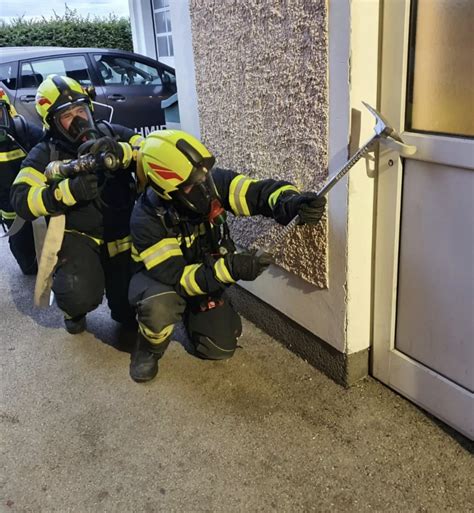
144 360
75 325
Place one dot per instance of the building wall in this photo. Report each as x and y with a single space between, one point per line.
261 80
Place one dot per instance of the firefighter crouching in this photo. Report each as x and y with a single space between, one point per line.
183 253
17 137
95 252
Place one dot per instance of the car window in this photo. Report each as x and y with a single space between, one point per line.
74 66
116 70
8 75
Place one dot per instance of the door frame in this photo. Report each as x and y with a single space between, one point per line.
433 392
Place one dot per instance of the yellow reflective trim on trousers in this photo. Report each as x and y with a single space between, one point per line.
6 156
127 154
8 216
155 338
35 201
95 239
222 273
30 176
237 192
275 195
160 252
119 246
67 197
188 280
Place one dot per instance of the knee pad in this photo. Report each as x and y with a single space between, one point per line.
157 312
214 333
75 296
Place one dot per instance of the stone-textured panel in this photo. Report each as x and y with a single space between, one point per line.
261 78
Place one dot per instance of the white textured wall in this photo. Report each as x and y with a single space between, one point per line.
261 77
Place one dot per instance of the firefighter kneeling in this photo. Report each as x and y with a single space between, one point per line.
95 251
184 256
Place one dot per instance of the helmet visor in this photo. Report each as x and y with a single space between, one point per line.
75 122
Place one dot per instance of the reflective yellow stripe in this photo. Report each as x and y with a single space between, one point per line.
8 216
135 254
67 197
30 176
275 195
127 153
237 191
222 273
119 246
188 280
6 156
155 338
95 239
160 252
189 240
35 201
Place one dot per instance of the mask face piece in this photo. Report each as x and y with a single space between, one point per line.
5 123
198 193
75 123
4 116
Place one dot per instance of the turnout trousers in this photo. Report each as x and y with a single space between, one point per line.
85 269
213 333
22 246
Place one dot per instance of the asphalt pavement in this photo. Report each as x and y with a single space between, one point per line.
262 432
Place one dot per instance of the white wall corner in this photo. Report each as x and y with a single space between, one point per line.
141 21
184 66
364 41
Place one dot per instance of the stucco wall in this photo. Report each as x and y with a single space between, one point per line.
261 80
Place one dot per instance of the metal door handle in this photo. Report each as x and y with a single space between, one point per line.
27 98
116 97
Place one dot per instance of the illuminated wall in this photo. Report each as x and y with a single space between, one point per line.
262 85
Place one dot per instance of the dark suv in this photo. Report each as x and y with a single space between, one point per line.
131 89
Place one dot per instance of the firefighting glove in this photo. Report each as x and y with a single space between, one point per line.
84 187
247 266
310 207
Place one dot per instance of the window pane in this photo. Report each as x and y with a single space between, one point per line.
162 46
168 21
442 73
8 75
160 22
158 4
74 67
120 70
170 42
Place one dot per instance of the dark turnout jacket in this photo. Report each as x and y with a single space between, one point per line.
12 153
105 218
187 254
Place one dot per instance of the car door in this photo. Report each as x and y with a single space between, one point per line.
32 72
135 89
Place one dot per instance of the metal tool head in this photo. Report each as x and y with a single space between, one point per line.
388 135
382 126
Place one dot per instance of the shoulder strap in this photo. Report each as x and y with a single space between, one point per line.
21 136
108 127
53 152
